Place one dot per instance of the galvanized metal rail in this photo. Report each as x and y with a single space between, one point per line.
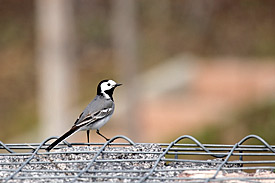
138 162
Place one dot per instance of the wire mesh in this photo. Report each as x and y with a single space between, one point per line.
138 162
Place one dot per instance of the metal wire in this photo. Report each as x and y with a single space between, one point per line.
233 149
138 162
100 151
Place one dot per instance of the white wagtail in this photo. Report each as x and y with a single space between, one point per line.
96 114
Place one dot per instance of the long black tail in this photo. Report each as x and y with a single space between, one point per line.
63 137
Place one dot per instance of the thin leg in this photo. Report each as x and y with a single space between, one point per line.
88 137
97 131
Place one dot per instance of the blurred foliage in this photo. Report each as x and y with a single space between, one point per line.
256 119
165 28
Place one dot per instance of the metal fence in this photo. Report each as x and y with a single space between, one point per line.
138 162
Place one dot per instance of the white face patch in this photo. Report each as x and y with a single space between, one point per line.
107 85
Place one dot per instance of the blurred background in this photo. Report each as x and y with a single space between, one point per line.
202 68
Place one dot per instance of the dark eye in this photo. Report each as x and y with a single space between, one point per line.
109 84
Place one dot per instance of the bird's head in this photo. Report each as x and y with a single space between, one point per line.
106 88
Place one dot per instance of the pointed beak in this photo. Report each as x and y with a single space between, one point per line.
118 84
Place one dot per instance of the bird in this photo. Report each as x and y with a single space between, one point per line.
95 115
